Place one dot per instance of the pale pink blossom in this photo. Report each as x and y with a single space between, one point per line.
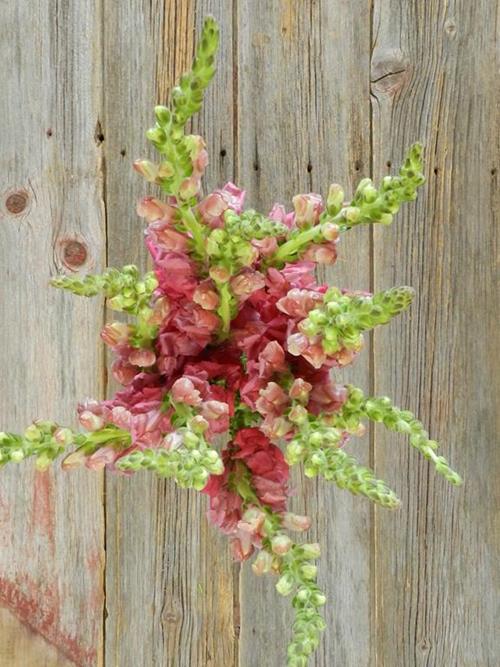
266 246
146 169
296 522
102 457
123 372
211 209
153 209
298 302
281 544
272 360
205 295
279 214
116 333
219 274
263 563
161 310
173 440
190 187
276 428
167 237
325 253
184 391
315 354
307 209
246 282
300 389
90 421
142 357
327 397
234 195
297 344
272 400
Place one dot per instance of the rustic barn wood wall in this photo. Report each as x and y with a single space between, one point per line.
126 572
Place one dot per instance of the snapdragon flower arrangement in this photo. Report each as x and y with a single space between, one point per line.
230 335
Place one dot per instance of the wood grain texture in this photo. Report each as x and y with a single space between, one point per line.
437 559
51 531
291 110
305 75
169 575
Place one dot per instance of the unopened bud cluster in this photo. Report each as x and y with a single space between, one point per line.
189 462
318 447
124 288
298 576
342 317
43 439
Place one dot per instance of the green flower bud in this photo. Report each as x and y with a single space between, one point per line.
310 551
17 455
32 433
285 584
163 115
334 199
309 571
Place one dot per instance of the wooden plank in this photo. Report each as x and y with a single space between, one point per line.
51 556
303 122
436 560
169 576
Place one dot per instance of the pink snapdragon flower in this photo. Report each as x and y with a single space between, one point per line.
307 209
298 302
212 208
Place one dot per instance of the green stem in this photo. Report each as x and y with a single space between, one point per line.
289 248
224 310
196 229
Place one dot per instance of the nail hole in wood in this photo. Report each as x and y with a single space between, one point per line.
123 152
436 171
74 253
388 164
223 152
49 132
17 202
309 167
98 133
357 165
493 171
256 166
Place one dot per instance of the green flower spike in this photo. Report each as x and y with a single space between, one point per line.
298 575
318 447
379 206
342 318
168 134
47 440
381 410
368 205
189 461
251 225
125 289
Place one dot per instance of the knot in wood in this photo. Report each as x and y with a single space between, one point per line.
450 28
16 202
389 71
74 253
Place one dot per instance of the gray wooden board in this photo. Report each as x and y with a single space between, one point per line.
304 78
51 556
436 570
169 575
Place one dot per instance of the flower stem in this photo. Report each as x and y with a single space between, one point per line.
196 229
224 310
289 248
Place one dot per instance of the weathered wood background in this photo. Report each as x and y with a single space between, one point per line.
125 572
